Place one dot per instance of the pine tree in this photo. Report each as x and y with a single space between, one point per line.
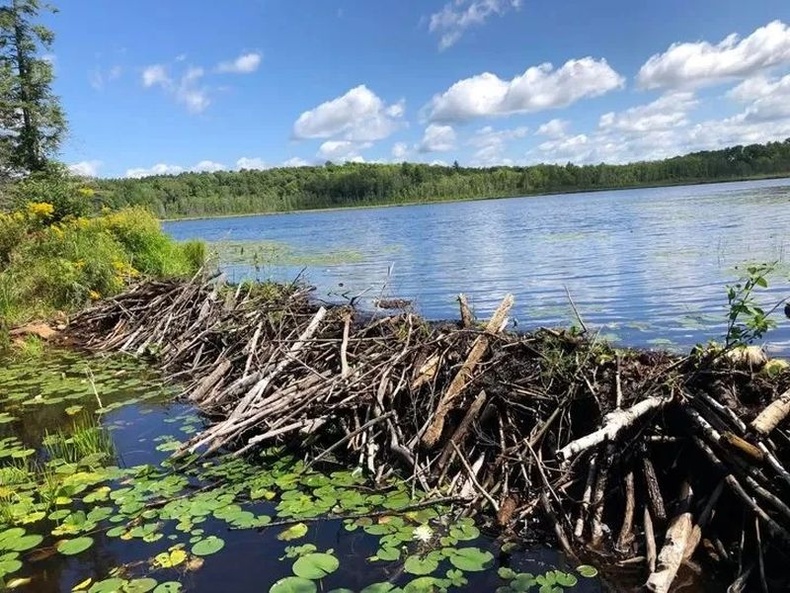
32 123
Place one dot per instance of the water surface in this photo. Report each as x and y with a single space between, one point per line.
646 267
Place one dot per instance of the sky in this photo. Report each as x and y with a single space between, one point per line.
155 86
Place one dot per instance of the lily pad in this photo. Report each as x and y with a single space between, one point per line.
72 547
294 585
140 586
420 566
587 571
471 559
293 532
168 587
315 566
208 546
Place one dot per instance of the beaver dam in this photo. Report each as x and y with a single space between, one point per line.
627 459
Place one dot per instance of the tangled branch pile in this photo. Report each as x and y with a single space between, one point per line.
647 459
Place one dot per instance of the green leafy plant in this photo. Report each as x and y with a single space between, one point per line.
746 320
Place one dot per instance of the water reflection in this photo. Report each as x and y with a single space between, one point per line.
646 265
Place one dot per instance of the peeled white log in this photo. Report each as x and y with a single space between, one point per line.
773 415
614 423
671 555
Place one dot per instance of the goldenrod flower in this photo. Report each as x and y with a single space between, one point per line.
40 209
94 296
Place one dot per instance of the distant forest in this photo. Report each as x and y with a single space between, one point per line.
354 184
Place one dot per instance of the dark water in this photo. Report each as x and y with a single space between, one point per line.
140 416
647 267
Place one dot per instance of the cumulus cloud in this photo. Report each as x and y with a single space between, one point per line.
456 17
666 112
492 144
400 150
86 168
251 163
703 63
158 169
358 116
438 138
342 150
186 90
767 99
539 88
554 128
244 64
296 162
98 78
208 167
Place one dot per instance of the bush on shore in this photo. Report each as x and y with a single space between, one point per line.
54 257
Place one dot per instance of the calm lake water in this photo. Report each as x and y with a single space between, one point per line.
646 267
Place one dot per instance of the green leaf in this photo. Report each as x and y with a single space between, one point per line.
506 573
315 566
293 585
107 586
210 545
587 571
420 566
140 586
379 588
388 554
565 579
294 532
72 547
168 587
471 559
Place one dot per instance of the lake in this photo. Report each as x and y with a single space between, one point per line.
645 267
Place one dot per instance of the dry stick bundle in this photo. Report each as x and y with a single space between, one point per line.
509 421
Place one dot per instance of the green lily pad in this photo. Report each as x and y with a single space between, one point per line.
294 585
168 587
72 547
140 586
208 546
315 566
471 559
420 566
294 532
107 586
587 571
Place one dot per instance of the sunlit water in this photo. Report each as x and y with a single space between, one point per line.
646 267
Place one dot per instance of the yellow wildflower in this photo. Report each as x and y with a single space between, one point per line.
94 296
86 192
40 209
79 264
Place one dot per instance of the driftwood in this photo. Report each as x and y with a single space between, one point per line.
548 428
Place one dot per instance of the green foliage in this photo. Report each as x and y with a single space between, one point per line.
51 262
746 320
31 118
54 185
365 184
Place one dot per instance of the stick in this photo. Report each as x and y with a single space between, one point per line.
627 530
650 541
464 375
467 319
671 555
614 423
345 371
586 497
773 415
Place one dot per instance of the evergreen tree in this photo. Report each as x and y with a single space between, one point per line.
32 122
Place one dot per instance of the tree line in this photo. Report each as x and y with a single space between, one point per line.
359 184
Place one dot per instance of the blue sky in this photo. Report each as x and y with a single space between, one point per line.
166 86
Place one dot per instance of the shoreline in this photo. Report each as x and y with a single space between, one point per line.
478 199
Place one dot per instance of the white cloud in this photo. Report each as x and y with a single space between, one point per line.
456 17
666 112
244 64
438 138
358 116
296 162
158 169
186 90
702 63
767 99
539 88
554 128
342 150
86 168
400 150
251 163
492 144
155 74
208 167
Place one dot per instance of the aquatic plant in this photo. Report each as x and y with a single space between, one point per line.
746 320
